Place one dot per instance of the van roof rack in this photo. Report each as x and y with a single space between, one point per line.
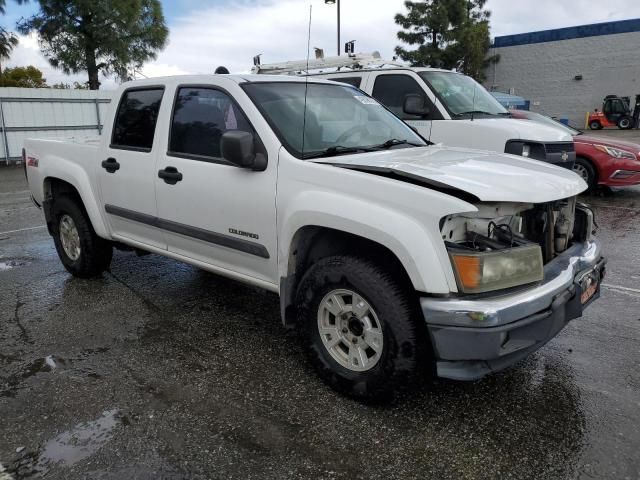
354 61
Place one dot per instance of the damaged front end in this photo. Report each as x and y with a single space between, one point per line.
523 272
505 245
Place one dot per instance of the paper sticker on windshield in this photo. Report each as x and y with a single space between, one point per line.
366 100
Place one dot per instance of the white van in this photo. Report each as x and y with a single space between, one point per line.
453 109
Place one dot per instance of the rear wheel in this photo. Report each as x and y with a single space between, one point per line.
595 125
81 251
584 168
625 123
364 337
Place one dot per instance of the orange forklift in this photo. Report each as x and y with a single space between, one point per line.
615 112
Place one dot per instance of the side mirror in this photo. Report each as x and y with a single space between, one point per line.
237 147
414 104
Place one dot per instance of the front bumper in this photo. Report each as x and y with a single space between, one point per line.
473 337
622 178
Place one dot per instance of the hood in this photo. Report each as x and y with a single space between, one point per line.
609 142
491 177
516 129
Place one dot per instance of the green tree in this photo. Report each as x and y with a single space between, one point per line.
3 5
25 77
448 34
8 40
98 36
67 86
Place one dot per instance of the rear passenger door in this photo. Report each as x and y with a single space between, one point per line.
391 89
127 167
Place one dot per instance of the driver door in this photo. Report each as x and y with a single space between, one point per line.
211 210
391 89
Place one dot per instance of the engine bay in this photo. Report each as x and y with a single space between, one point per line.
553 226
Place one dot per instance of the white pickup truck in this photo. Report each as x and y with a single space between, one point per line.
393 256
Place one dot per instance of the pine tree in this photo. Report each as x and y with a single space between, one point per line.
98 36
448 34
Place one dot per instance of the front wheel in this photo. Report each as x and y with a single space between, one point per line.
625 123
363 334
595 125
81 251
585 169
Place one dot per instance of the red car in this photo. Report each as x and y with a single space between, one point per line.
599 160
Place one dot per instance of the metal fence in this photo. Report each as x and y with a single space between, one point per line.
47 113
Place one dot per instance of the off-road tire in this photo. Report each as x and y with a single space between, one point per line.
95 252
403 356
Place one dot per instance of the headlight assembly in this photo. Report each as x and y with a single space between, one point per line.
526 149
478 272
616 152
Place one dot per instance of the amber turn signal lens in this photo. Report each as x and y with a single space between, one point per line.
469 272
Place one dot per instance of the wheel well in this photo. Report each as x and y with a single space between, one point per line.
312 243
593 166
54 187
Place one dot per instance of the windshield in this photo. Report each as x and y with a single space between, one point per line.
339 119
461 95
536 117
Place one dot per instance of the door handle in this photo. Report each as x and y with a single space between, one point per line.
170 175
111 165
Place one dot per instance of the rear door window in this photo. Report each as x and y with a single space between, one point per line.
135 122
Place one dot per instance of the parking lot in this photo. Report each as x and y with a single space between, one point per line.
160 370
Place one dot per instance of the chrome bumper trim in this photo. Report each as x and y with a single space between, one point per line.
479 312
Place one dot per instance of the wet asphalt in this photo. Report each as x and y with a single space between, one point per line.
159 370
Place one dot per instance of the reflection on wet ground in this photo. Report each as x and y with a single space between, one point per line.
8 265
68 448
159 370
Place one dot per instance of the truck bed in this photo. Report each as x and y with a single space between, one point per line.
76 156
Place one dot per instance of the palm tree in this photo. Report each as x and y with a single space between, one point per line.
8 42
3 3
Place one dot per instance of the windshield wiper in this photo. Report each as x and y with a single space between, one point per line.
340 150
475 112
335 151
393 142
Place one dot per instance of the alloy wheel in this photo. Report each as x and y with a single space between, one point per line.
69 237
582 171
350 330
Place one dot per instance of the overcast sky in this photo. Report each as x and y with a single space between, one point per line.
208 33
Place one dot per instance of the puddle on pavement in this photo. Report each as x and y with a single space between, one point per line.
9 264
47 364
81 442
70 447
